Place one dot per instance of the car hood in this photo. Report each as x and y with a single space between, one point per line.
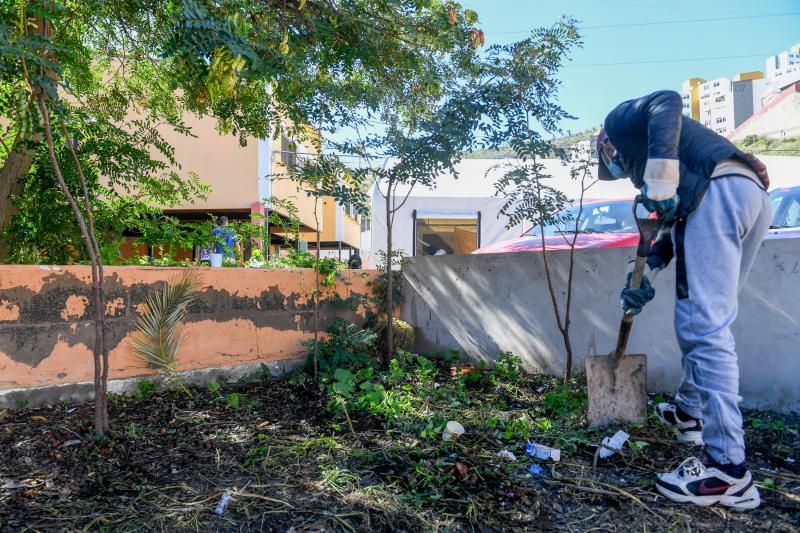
561 242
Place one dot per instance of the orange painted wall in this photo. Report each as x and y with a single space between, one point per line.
242 316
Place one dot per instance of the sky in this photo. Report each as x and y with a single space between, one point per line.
648 53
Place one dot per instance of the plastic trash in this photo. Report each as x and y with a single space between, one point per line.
505 454
617 442
538 451
452 430
223 504
535 469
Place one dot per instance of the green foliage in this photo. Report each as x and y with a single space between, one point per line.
771 425
213 387
159 326
346 345
404 336
521 98
379 286
143 390
565 402
760 144
507 368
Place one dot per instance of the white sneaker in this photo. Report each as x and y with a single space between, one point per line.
690 430
697 483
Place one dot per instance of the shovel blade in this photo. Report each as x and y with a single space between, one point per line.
617 389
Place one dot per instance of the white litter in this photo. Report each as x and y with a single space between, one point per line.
505 454
538 451
617 442
452 430
223 504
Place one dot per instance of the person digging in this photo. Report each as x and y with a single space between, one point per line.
711 198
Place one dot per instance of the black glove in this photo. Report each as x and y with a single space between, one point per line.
633 300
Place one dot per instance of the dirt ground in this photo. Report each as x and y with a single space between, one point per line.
289 464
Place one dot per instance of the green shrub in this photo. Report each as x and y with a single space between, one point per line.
346 345
403 337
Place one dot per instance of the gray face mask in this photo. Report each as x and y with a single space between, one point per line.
615 166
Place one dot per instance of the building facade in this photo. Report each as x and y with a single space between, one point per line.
783 69
690 94
242 179
724 104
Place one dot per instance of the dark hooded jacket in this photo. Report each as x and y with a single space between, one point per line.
654 127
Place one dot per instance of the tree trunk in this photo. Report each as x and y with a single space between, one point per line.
100 351
389 283
316 292
16 165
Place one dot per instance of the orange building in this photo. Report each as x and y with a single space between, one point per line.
243 179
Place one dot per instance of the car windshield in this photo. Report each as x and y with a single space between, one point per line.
611 217
785 208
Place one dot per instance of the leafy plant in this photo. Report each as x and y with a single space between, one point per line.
564 402
507 368
143 390
346 345
160 326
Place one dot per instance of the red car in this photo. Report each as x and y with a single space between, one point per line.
603 224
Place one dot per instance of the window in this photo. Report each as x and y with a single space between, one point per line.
716 84
613 217
720 98
288 151
785 208
446 236
351 211
366 223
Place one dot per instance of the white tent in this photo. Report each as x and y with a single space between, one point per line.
471 195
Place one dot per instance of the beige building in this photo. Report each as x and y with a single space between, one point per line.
723 104
243 178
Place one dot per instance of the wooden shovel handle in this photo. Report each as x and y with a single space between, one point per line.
627 320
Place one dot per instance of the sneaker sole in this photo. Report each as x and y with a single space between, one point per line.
749 500
686 437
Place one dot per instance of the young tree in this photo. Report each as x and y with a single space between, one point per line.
323 176
420 145
521 98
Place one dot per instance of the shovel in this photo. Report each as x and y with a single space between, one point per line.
617 383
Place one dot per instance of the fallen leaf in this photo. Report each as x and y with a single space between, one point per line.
461 470
39 418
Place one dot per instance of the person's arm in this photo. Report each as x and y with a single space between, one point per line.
633 300
659 117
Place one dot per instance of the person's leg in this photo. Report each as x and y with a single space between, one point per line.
720 240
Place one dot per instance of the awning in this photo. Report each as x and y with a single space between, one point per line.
447 214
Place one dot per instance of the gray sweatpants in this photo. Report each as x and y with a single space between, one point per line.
720 241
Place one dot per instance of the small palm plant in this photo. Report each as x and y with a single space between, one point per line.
159 326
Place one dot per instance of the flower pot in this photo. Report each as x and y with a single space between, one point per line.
216 260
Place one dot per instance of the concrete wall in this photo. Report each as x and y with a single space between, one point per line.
242 317
485 304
